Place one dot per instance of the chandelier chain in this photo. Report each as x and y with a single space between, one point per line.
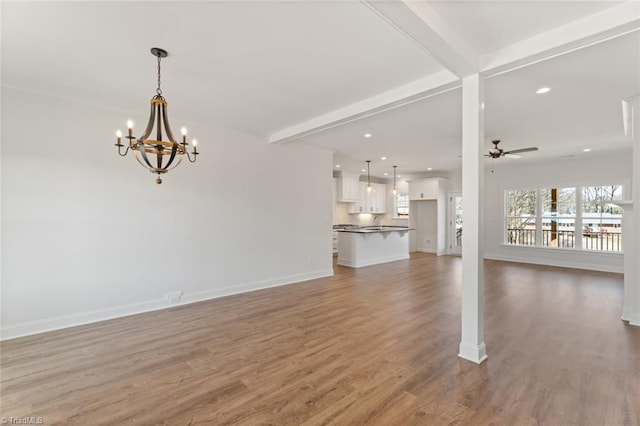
158 90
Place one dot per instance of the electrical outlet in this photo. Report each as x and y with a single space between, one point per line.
428 241
174 297
310 261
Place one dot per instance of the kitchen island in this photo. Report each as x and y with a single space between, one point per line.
372 245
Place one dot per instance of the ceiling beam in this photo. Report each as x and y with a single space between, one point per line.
419 89
421 24
592 29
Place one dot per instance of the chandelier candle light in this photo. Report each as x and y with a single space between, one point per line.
168 154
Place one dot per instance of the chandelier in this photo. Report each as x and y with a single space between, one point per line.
157 155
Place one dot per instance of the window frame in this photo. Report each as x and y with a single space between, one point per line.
396 205
579 225
506 217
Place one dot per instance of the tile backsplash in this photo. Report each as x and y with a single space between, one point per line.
341 216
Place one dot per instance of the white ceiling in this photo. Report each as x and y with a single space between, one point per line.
267 67
492 25
257 66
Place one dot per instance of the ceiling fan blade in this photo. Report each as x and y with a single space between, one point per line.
517 151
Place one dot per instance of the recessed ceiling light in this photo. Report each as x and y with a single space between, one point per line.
587 149
542 90
367 135
386 174
338 166
399 175
383 158
363 170
429 168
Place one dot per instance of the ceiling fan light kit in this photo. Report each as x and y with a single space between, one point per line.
497 152
168 154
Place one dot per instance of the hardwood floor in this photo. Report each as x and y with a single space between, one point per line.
377 345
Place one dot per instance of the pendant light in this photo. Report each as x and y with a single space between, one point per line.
368 176
395 190
157 155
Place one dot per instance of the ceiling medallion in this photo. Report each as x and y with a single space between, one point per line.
157 155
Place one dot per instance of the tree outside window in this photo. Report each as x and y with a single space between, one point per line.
584 217
601 219
521 216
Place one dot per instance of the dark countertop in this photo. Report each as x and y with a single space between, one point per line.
372 229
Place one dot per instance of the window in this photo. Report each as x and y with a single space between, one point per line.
558 217
402 205
570 217
521 216
601 220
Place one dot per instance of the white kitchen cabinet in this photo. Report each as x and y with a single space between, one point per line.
428 215
424 189
362 204
377 198
348 188
371 202
380 198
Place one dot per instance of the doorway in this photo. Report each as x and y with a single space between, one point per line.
455 223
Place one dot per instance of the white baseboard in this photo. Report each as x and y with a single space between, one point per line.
473 353
355 264
57 323
632 318
434 251
66 321
556 262
256 285
426 250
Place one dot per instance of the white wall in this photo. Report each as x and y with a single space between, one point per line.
88 235
588 169
423 216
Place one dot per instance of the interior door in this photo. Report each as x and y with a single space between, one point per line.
455 223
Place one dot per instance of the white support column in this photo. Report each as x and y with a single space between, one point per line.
631 219
472 345
629 305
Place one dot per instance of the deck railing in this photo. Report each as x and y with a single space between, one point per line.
523 237
564 239
605 241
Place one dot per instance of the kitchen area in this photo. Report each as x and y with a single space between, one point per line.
366 246
368 227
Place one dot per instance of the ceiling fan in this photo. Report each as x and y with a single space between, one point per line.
496 152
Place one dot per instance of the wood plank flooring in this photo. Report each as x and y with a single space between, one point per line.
376 345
